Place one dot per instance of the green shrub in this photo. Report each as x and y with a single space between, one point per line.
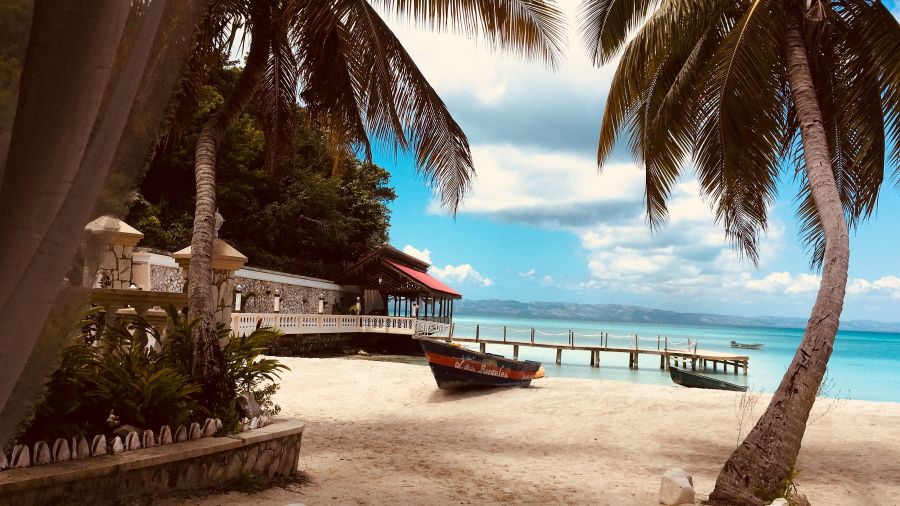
108 369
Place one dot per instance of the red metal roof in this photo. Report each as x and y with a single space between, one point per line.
424 279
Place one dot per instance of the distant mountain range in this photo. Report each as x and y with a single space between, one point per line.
616 313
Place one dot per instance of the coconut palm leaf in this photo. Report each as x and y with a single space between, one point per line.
604 25
741 125
532 28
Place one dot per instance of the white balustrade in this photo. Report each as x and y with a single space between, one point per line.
246 323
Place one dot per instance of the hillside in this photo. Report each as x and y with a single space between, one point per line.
635 314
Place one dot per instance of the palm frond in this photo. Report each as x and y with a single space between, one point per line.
279 91
742 124
532 28
605 24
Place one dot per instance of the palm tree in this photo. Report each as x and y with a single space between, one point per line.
734 84
95 82
360 84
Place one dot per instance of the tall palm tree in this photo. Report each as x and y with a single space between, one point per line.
733 85
358 81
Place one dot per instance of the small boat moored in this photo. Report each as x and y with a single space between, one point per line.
747 346
691 379
457 367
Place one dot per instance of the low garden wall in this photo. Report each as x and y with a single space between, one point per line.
268 451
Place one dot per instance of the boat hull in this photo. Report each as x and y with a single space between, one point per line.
690 379
455 367
754 346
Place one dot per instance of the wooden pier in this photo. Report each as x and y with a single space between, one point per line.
669 353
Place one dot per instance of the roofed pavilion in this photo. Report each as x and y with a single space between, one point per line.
396 284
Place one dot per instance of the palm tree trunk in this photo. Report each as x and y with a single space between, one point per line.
209 366
759 467
80 111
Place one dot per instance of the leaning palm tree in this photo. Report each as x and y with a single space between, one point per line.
360 84
747 88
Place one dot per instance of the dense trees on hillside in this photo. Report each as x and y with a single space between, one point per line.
295 218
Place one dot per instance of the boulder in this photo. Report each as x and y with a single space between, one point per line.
676 487
781 501
248 406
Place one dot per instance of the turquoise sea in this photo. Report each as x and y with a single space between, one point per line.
864 365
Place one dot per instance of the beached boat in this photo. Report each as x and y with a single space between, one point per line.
457 367
691 379
747 346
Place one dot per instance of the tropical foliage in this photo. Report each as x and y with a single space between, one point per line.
116 370
744 91
296 219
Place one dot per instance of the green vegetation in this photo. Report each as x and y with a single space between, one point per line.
110 369
292 217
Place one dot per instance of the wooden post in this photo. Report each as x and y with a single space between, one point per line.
746 365
477 331
725 366
558 356
636 351
598 357
572 338
715 365
662 365
735 367
667 343
657 342
693 364
515 352
532 335
482 347
504 333
592 358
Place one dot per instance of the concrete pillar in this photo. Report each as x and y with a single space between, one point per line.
108 250
225 261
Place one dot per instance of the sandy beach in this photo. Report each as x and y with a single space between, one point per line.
382 433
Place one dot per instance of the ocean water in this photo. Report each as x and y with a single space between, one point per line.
864 365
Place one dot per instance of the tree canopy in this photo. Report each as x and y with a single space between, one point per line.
296 218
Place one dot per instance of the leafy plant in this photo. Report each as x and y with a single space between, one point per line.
249 371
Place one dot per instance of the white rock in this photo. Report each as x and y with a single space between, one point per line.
165 435
132 441
4 464
21 456
42 454
98 445
80 448
209 428
676 487
148 440
61 451
218 424
181 434
195 431
117 446
781 501
254 424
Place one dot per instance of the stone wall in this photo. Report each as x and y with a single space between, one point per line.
115 267
164 278
152 472
259 297
310 345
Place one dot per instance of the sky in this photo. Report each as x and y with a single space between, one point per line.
541 224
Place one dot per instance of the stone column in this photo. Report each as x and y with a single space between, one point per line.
225 261
108 253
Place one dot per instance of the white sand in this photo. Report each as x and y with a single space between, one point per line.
382 433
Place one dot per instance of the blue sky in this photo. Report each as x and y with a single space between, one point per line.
541 224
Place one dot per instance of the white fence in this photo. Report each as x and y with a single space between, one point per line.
245 323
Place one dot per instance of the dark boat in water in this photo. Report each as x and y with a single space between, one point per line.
457 367
691 379
746 346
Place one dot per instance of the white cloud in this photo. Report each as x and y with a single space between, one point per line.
423 255
528 274
463 273
885 285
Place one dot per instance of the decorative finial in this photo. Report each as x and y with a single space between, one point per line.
219 221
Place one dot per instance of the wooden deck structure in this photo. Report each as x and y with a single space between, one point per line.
669 352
